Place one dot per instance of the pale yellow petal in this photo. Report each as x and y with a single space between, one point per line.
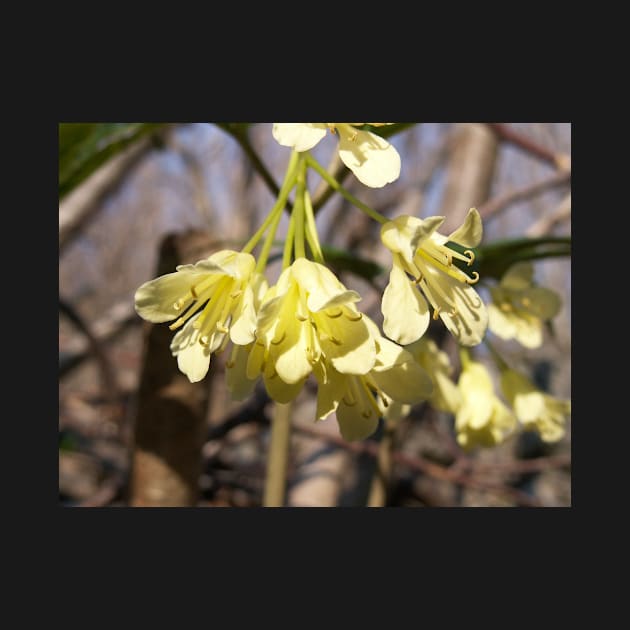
235 264
464 314
255 360
404 234
354 348
291 354
280 391
329 392
193 359
518 276
470 233
299 136
500 323
405 311
323 287
353 424
528 330
405 382
541 302
238 384
373 160
244 319
155 300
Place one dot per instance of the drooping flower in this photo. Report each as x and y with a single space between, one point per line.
373 160
214 302
419 251
359 400
535 410
446 396
308 314
519 307
482 419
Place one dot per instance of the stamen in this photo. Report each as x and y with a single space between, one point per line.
418 280
331 314
223 328
471 256
194 292
236 294
301 317
366 414
176 324
352 403
526 301
179 304
474 279
230 364
436 313
204 340
353 319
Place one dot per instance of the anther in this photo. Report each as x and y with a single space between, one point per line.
302 318
354 319
177 324
236 294
474 279
366 414
178 305
204 341
230 364
333 314
436 313
471 256
352 403
275 342
223 328
194 293
418 280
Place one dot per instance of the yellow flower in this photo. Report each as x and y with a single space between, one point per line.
420 251
359 400
211 299
535 409
373 160
519 307
446 396
482 419
308 315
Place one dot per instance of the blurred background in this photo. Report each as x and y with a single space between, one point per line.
138 199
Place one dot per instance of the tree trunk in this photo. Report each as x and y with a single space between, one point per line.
171 414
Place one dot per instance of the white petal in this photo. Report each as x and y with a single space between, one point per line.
299 136
373 160
470 232
405 311
404 234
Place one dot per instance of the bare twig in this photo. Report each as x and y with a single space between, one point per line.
109 381
530 146
496 205
545 224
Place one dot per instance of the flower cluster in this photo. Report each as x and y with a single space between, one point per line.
308 323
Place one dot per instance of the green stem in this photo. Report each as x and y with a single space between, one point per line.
269 240
464 357
288 243
298 211
335 185
498 359
311 230
278 457
287 185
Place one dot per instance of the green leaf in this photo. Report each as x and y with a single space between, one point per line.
83 147
494 259
343 260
